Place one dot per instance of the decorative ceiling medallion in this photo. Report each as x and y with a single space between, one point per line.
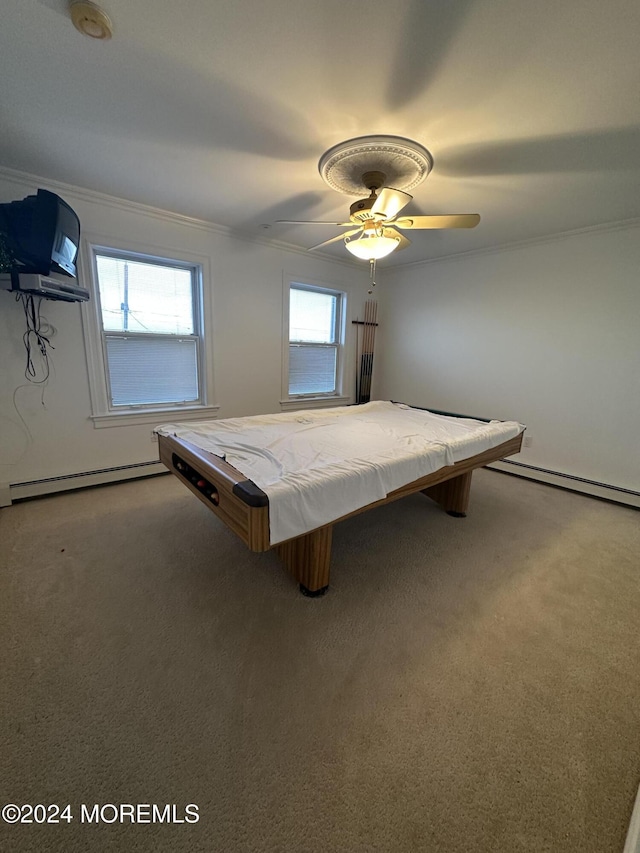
404 163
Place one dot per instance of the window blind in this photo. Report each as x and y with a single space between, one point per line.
144 370
312 369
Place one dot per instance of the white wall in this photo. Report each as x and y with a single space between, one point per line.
47 433
546 333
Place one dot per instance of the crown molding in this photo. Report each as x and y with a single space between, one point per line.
619 225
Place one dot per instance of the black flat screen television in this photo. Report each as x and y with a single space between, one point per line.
41 235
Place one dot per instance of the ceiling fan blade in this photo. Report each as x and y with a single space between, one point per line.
335 239
390 202
403 241
453 220
309 222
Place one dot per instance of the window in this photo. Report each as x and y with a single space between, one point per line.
150 323
315 340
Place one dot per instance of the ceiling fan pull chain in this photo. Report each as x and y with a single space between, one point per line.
372 274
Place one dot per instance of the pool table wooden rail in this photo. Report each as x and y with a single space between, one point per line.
244 507
250 523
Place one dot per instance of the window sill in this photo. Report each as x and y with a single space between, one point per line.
154 416
295 403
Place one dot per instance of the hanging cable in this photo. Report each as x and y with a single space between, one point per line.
36 336
372 275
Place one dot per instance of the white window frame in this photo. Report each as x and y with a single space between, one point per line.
313 400
105 415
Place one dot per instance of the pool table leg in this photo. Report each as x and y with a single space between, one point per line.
308 558
452 495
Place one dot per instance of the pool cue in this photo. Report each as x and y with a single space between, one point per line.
368 349
374 314
357 360
363 358
364 350
369 354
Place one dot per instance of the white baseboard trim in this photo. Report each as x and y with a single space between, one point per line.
567 481
632 844
50 486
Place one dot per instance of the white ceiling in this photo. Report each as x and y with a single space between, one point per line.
221 109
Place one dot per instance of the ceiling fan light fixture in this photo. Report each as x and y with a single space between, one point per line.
371 247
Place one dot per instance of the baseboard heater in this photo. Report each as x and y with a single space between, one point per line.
100 477
616 494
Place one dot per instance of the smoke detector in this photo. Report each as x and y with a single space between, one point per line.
90 20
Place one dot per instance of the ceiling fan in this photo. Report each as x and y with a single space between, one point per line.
377 221
379 226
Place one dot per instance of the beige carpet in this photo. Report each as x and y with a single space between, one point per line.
466 685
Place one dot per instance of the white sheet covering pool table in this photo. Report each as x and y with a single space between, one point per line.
318 465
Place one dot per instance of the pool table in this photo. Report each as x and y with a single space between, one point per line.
244 507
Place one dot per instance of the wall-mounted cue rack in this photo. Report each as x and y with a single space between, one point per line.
366 337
